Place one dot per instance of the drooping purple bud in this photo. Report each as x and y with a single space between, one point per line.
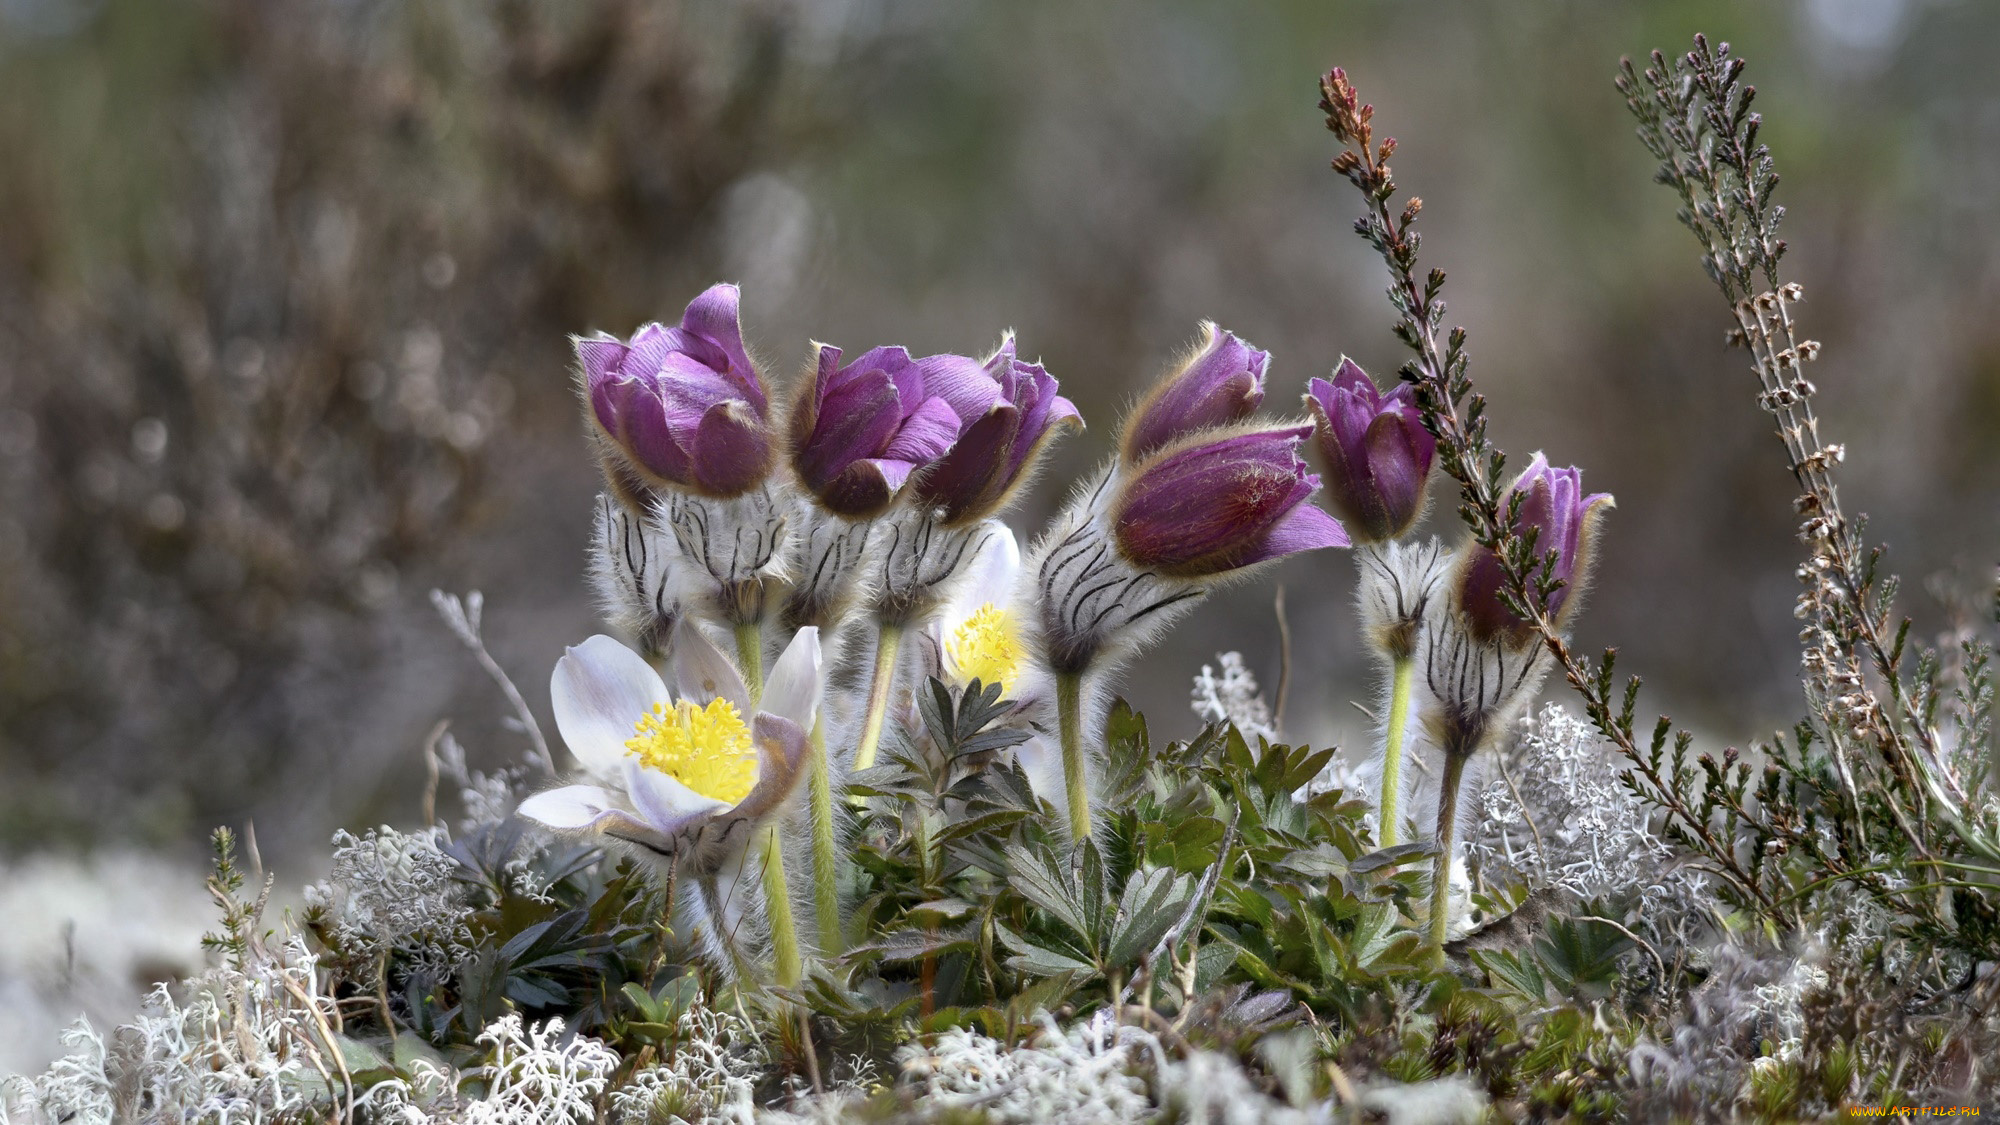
1219 502
1221 384
859 431
682 405
1564 520
998 446
1376 452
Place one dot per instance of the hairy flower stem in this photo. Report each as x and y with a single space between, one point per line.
750 654
826 882
1403 672
785 963
1447 827
888 645
1069 716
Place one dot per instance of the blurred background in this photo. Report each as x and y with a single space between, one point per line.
285 287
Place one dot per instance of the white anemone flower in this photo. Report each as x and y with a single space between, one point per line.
681 774
978 637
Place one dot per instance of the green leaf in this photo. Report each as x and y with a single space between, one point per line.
408 1049
1034 875
1510 972
911 945
649 1009
1039 960
1153 900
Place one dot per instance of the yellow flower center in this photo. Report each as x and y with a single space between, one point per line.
983 647
708 749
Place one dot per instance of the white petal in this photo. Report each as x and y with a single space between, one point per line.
792 690
663 803
989 580
702 673
1041 760
572 806
600 688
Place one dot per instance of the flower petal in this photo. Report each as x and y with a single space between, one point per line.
1222 382
962 382
781 750
792 690
732 449
1304 528
856 419
988 581
1042 762
667 806
926 433
599 689
572 806
702 672
716 316
865 489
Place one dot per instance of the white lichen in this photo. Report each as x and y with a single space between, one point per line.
1232 696
1085 1076
1554 811
394 893
709 1076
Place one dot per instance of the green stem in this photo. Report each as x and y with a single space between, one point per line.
785 964
826 871
750 654
1076 775
1404 672
888 643
1454 770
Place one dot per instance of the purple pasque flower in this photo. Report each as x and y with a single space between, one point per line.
860 430
683 405
1219 501
1221 384
998 445
1564 520
1376 451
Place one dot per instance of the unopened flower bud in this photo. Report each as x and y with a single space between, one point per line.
1376 452
1221 501
859 431
1564 520
681 406
997 448
1220 384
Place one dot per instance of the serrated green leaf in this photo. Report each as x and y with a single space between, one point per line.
1035 877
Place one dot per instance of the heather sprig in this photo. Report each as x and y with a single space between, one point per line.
1874 703
1454 413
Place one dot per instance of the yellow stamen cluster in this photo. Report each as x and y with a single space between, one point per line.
708 749
984 648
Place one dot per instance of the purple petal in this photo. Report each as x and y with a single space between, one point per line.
1221 384
715 316
856 419
602 357
1304 528
926 433
1397 473
961 381
864 489
961 481
1209 508
655 437
732 450
651 345
781 748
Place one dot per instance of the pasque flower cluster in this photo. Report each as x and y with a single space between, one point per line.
863 510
